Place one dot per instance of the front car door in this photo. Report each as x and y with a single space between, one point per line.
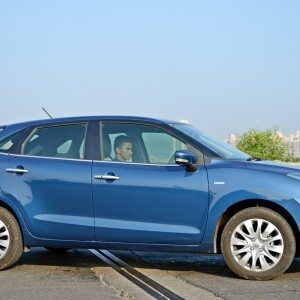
148 199
49 180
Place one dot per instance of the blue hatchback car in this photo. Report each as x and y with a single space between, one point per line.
144 184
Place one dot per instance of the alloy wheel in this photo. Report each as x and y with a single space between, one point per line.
257 245
4 239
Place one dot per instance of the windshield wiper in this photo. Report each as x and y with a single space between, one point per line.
251 158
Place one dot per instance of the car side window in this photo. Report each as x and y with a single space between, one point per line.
138 143
64 141
161 147
7 144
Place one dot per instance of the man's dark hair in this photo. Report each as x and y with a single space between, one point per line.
121 140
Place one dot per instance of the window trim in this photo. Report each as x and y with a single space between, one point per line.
136 164
49 157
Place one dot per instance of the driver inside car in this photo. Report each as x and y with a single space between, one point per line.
123 149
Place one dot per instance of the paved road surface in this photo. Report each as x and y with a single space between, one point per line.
80 274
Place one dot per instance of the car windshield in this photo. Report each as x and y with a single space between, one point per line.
224 150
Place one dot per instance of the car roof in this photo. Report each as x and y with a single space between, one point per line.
18 126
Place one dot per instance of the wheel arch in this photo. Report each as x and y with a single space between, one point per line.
233 209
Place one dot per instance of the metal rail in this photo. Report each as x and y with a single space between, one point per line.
150 286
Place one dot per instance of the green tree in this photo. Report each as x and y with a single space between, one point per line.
267 145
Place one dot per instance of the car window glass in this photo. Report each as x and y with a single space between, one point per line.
65 141
161 147
65 147
81 149
145 144
35 136
7 144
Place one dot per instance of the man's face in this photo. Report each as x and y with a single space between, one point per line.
125 151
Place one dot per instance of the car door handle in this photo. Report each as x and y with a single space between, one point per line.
107 177
16 170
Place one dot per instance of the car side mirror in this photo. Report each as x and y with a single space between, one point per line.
187 159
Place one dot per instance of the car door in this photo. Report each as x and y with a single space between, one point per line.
148 199
50 182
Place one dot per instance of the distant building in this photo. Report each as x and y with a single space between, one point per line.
232 139
293 142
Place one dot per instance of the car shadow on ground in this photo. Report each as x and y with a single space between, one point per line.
205 264
71 259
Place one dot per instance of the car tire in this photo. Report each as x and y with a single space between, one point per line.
257 243
57 250
11 242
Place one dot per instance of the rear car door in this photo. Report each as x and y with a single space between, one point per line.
49 180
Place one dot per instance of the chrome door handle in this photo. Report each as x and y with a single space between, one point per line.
107 177
16 170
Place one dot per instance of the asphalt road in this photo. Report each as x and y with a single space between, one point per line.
80 274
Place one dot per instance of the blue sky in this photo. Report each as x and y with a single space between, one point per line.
226 66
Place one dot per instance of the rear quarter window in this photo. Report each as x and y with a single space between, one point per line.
8 143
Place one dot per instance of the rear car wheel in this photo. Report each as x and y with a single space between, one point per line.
258 243
11 243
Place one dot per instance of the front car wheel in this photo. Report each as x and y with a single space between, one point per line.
258 243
